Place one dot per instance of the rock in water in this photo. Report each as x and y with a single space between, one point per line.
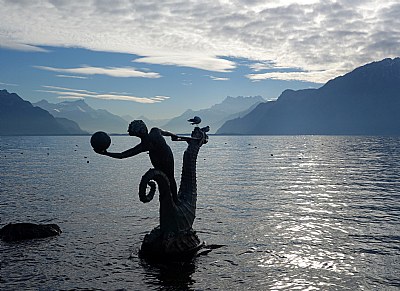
100 141
22 231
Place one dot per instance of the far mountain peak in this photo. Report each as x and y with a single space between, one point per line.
89 119
216 115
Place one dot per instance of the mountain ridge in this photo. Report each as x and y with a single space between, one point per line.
20 117
215 115
89 119
364 101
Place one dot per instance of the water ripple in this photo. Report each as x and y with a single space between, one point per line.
294 213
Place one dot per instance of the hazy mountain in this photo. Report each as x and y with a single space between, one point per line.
20 117
128 118
89 119
153 122
365 101
214 116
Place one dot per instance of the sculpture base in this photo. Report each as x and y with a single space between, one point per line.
160 246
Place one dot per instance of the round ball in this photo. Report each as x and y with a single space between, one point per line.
100 141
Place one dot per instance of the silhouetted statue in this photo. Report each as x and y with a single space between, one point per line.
160 153
174 238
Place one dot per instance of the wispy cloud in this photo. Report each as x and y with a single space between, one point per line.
68 89
160 98
125 72
71 76
311 35
209 63
8 84
218 78
315 77
155 99
68 93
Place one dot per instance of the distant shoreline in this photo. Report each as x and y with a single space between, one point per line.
187 134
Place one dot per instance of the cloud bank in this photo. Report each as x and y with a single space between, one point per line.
112 72
313 36
68 93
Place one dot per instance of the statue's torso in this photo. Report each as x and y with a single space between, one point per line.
160 153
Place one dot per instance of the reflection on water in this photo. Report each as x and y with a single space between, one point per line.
294 213
169 275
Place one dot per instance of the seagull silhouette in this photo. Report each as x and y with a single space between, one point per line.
195 120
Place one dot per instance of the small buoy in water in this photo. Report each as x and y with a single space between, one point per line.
272 155
87 162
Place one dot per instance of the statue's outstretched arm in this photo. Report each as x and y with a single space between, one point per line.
175 137
167 133
128 153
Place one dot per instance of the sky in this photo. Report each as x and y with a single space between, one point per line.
159 58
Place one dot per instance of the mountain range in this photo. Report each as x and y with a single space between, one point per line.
20 117
365 101
216 115
89 119
77 117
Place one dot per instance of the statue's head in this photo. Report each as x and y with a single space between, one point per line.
137 128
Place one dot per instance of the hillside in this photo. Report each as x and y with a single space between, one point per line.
365 101
20 117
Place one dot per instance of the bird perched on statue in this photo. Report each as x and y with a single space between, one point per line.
206 129
195 120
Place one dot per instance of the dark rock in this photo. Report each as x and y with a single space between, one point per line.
22 231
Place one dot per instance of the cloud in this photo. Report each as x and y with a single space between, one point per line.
150 100
125 72
261 66
315 77
218 78
9 44
200 62
311 35
8 84
160 98
68 93
71 76
68 89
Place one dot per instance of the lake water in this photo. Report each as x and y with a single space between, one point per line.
294 213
